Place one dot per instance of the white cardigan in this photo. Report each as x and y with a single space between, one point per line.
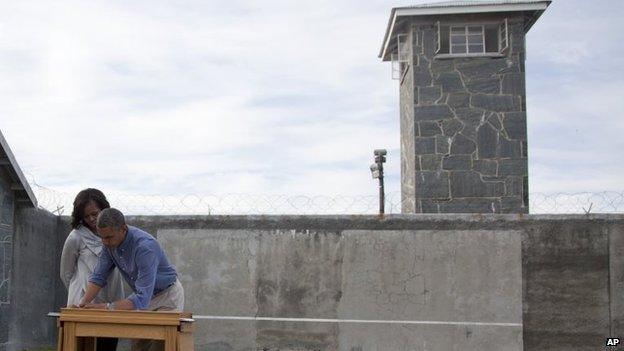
81 252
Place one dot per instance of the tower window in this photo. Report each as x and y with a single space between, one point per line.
472 39
401 60
467 39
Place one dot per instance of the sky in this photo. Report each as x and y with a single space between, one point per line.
272 97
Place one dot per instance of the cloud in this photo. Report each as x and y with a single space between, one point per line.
269 97
574 98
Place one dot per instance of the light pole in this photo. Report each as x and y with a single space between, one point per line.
378 173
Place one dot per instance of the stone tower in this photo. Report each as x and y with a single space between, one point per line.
460 65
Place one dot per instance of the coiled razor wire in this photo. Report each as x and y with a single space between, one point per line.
253 204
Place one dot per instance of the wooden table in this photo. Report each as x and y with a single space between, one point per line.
79 328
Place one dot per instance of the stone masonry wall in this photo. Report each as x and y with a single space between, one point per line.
470 140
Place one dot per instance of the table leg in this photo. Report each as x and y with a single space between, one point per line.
185 342
70 343
59 341
171 338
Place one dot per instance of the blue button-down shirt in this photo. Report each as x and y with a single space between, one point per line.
142 263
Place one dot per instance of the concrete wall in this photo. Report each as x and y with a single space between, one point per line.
464 141
352 274
36 288
573 280
558 275
616 278
6 248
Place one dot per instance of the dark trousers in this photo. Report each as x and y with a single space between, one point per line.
106 344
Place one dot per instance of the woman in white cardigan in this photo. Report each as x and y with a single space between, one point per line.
81 253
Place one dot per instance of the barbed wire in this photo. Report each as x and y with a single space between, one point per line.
247 204
583 202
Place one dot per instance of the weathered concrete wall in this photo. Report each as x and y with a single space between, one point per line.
560 276
467 124
6 248
439 268
35 284
353 274
573 284
616 278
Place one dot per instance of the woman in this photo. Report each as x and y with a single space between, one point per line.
81 253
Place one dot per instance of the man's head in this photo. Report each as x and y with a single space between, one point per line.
111 226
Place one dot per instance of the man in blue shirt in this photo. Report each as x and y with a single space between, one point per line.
143 265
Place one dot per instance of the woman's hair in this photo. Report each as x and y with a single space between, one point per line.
81 201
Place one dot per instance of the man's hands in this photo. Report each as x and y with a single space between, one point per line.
124 304
100 306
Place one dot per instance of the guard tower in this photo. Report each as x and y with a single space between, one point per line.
460 65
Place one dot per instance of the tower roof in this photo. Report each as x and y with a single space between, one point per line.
533 7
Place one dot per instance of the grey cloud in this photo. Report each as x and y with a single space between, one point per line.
272 96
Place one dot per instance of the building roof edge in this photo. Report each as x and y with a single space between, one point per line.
20 183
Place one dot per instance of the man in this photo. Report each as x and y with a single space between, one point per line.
143 265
